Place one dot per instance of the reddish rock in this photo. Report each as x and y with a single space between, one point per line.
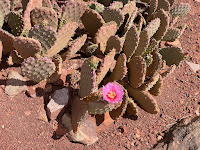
86 132
31 91
59 99
60 129
48 88
107 121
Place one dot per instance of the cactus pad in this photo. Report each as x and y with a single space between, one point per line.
120 69
44 16
172 34
131 107
163 4
75 47
116 5
156 89
92 21
155 65
105 66
38 69
7 40
63 37
137 71
144 99
104 33
4 10
96 6
172 55
16 23
153 26
88 79
131 42
46 35
180 10
143 43
27 47
114 42
113 15
73 10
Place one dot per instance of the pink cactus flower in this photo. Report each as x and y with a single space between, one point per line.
112 92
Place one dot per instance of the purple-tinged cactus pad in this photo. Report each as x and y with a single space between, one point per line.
27 47
44 16
38 69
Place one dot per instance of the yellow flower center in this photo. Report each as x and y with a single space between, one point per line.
111 95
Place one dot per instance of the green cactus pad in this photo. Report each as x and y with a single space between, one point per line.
116 5
120 69
180 10
164 24
47 3
15 22
118 112
63 37
4 10
88 79
171 35
75 47
131 107
46 35
113 15
38 69
7 40
163 4
73 11
144 99
155 65
27 47
103 34
143 43
92 21
172 55
44 16
96 6
137 71
156 89
153 26
131 42
105 66
114 42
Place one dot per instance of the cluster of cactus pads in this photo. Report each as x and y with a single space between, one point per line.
119 40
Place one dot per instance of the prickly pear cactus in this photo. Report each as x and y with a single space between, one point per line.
38 69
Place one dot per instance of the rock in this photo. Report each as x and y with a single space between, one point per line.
42 114
184 135
85 134
122 129
103 121
31 91
175 43
15 84
193 66
60 129
59 99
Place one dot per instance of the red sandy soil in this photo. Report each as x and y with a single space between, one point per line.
22 126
